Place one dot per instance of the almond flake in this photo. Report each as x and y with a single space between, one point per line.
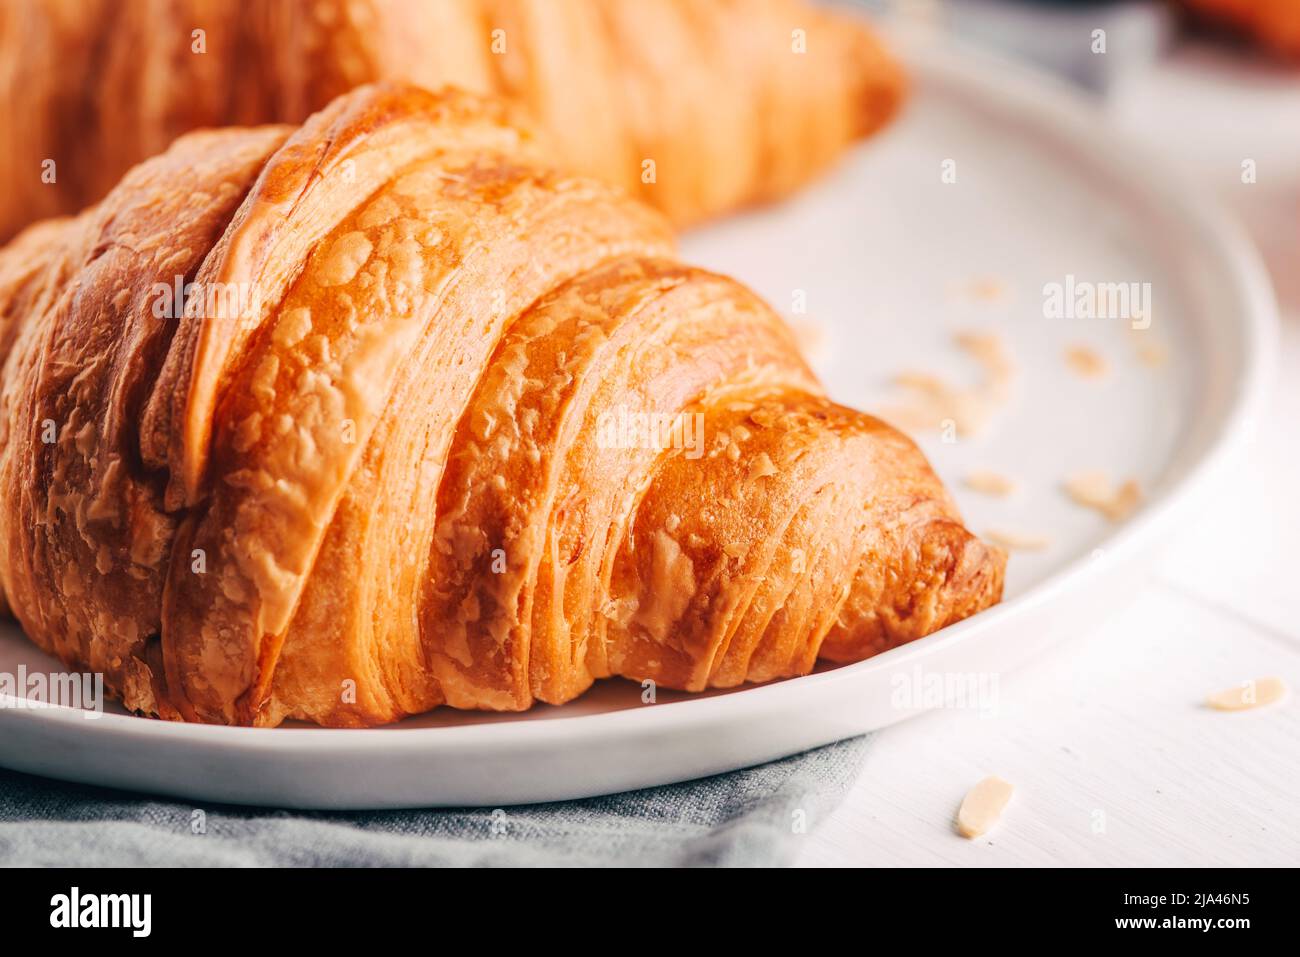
1249 694
761 466
989 350
982 806
1152 354
1094 490
925 382
990 483
934 401
985 289
1017 541
1086 361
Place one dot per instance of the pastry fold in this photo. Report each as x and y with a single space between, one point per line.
430 423
696 106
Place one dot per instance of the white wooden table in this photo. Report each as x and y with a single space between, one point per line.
1115 758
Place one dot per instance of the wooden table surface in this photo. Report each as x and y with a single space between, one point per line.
1114 756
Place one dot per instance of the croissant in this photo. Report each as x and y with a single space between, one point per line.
1273 24
430 423
699 106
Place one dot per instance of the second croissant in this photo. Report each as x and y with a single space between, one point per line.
697 106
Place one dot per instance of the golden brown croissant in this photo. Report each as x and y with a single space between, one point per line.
699 106
436 424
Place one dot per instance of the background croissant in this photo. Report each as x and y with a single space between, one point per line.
697 105
1274 24
383 462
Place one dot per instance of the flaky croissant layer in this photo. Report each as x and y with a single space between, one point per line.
699 106
345 422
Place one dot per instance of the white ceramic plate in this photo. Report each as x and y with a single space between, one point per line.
887 257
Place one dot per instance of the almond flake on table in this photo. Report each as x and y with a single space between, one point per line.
1086 361
990 483
983 806
1094 490
1249 694
1017 541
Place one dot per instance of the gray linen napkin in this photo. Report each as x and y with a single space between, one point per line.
754 817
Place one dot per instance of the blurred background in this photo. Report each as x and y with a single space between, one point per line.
1212 83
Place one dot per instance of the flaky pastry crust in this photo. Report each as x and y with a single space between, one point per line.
397 461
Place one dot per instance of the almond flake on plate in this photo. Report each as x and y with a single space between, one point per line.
935 401
1086 361
1152 354
990 483
1017 541
982 806
1249 694
982 289
989 350
1094 490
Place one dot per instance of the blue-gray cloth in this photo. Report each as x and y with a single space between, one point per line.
755 817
